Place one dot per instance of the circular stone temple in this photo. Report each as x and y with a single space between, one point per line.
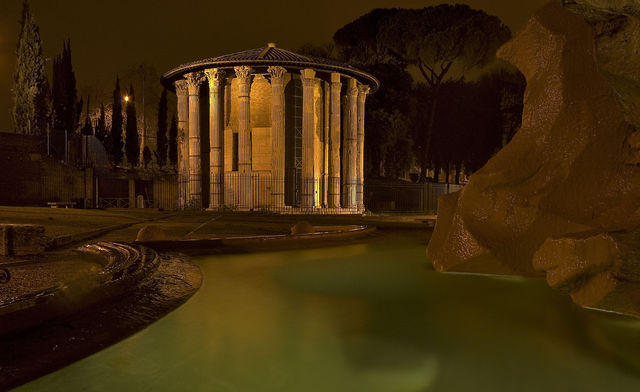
269 129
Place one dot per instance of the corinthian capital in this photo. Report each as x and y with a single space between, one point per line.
181 87
308 77
243 73
352 90
215 76
363 90
194 80
277 73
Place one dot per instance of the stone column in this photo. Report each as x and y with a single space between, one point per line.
277 136
334 143
362 96
243 73
308 130
216 79
194 79
344 107
183 142
326 115
351 145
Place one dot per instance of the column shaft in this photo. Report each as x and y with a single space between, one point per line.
362 96
183 142
216 138
308 130
334 143
277 136
326 114
351 145
243 73
194 80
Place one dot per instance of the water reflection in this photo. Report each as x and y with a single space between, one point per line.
367 317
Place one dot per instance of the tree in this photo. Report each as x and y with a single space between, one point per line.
101 126
173 142
115 146
146 156
132 140
393 150
87 128
437 40
161 136
66 107
30 110
324 51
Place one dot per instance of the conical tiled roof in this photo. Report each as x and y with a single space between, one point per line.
268 56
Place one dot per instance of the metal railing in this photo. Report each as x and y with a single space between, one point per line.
409 197
259 191
113 202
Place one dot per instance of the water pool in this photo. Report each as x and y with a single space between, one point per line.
368 317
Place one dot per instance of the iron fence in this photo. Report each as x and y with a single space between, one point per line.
113 202
406 197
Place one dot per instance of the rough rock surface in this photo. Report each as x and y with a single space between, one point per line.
563 197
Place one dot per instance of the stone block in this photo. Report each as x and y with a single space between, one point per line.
21 240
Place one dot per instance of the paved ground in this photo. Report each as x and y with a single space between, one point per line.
64 221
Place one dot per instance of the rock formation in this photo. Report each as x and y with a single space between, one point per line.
563 197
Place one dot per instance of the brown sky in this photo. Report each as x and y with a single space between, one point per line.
110 35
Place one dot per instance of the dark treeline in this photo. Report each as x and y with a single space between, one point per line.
54 111
428 113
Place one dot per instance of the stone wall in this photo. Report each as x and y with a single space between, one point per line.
29 177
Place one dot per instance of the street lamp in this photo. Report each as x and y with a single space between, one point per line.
126 98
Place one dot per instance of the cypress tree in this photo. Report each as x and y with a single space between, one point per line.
146 156
87 129
173 142
132 141
30 87
115 145
101 126
66 108
161 136
65 105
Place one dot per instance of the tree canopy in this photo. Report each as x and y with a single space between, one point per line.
441 43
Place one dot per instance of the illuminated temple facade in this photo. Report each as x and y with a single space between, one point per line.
269 129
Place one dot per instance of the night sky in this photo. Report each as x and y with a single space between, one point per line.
108 36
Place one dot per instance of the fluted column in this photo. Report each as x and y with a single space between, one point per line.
326 115
351 145
243 73
216 79
344 107
277 136
194 79
308 129
362 96
334 143
182 93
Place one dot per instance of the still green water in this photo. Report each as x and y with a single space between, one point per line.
369 317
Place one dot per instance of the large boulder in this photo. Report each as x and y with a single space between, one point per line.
569 179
